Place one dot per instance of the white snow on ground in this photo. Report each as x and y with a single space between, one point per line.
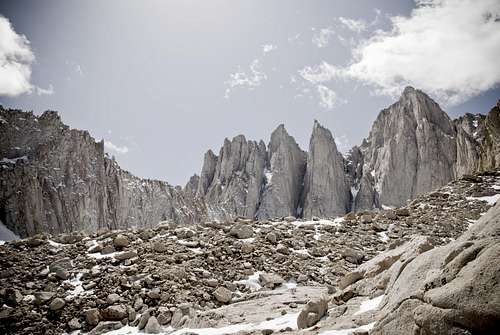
77 283
6 234
383 236
98 255
492 199
470 223
269 175
252 282
495 187
387 207
288 320
348 331
370 304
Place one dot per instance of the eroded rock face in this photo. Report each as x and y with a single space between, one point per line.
411 150
284 177
326 189
235 188
56 179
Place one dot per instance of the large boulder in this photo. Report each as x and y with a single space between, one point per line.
241 231
312 312
448 290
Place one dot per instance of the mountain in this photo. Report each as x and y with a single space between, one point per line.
56 179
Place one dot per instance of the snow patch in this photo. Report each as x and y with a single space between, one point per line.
491 200
370 304
367 327
383 236
252 282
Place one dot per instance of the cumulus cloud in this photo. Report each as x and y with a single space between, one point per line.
16 58
352 24
321 73
268 48
327 97
110 146
321 38
249 79
44 91
446 47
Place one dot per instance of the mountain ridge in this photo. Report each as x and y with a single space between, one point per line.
66 182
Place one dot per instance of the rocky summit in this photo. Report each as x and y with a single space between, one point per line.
413 267
398 236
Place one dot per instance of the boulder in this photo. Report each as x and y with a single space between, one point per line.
115 312
241 231
153 326
121 241
312 312
92 316
57 304
222 294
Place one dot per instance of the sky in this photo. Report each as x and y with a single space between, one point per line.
164 81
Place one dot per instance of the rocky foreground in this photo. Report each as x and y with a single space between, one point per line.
250 276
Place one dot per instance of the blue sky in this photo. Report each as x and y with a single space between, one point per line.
164 81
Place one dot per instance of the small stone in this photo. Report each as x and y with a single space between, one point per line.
212 282
164 315
241 231
154 293
126 255
112 298
290 218
271 237
267 331
153 326
43 297
115 312
121 241
222 294
74 324
57 304
108 250
92 316
402 212
246 248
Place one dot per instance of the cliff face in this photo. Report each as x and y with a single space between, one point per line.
231 182
411 150
326 189
284 176
56 179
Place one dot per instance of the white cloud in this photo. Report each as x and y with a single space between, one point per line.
352 24
268 48
251 79
110 146
448 48
44 91
321 38
321 73
327 97
16 58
